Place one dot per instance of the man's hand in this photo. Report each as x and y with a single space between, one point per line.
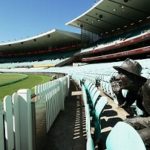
115 85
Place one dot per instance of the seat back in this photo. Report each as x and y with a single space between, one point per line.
95 97
93 92
100 105
124 137
90 143
97 123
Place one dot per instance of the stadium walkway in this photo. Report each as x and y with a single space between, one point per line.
68 131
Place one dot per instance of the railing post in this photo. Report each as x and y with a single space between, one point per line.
26 120
8 116
1 128
62 93
68 83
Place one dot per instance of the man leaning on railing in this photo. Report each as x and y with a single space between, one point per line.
129 87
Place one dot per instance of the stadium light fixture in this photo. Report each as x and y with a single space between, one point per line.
81 25
122 6
132 23
100 18
48 35
148 17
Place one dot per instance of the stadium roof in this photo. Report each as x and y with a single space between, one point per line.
103 16
110 15
49 39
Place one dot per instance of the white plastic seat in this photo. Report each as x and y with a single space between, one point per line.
98 109
124 137
93 92
97 94
100 105
90 143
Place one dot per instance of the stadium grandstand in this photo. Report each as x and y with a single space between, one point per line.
78 109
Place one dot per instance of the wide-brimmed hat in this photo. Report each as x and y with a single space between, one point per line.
131 67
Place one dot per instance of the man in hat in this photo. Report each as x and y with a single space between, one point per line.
142 124
127 85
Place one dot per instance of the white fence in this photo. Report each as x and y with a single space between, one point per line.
53 94
17 113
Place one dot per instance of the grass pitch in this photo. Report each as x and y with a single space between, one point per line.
10 83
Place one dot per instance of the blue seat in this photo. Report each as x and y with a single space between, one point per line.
90 143
87 84
97 124
124 137
93 92
95 97
100 106
91 88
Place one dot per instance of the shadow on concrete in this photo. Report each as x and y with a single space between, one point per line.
68 130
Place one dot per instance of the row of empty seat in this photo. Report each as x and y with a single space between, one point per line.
118 40
94 103
122 136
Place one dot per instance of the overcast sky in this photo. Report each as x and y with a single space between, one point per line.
20 19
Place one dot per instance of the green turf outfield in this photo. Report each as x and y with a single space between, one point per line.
14 82
7 78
